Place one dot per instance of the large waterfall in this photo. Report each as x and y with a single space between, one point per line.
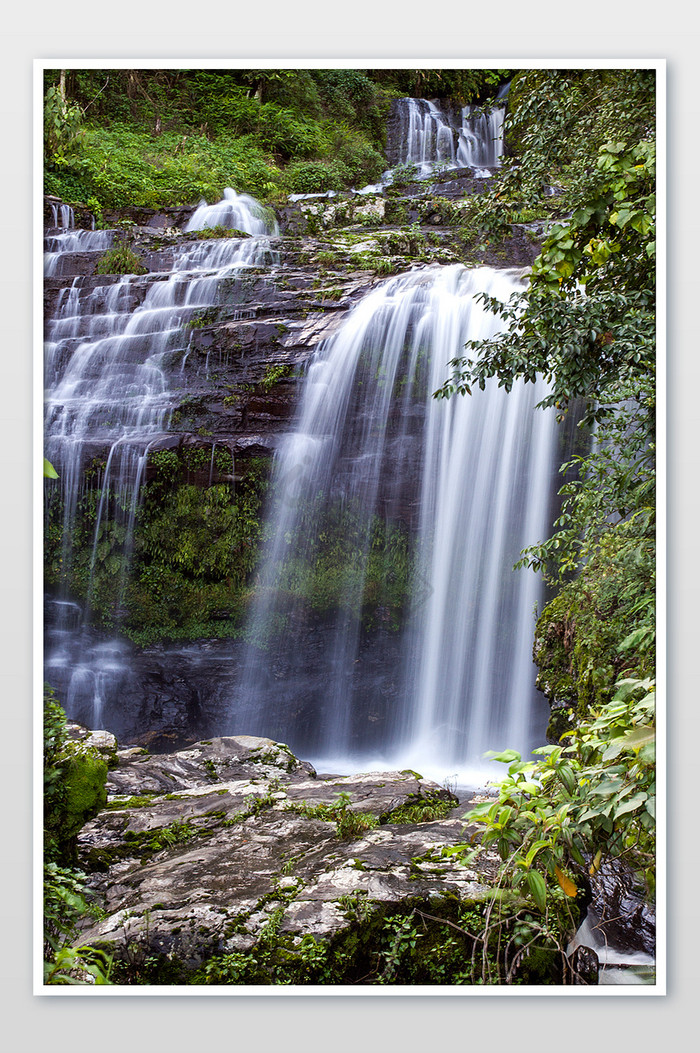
394 507
387 626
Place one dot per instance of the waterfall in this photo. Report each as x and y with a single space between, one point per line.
235 212
396 522
109 350
429 135
481 137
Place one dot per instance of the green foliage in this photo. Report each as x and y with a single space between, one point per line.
74 790
315 177
66 905
451 942
166 137
349 823
273 374
62 124
460 85
580 804
218 232
121 259
195 547
426 810
147 843
403 174
74 784
587 321
348 563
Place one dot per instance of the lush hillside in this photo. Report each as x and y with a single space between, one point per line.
171 137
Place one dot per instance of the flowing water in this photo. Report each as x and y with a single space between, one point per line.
110 348
388 626
617 965
458 488
432 135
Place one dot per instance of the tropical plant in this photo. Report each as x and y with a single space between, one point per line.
69 798
557 818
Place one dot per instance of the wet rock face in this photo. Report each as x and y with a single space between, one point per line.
235 377
166 697
619 910
200 849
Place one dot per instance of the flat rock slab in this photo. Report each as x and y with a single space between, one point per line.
198 849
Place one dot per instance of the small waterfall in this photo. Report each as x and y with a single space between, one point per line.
110 347
429 134
58 248
481 137
235 212
63 216
617 965
397 520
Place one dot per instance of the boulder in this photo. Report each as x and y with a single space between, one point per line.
201 851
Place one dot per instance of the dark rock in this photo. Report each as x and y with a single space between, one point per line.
620 912
583 966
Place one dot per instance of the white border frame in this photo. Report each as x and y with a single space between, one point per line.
40 66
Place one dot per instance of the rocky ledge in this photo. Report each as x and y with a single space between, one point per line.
203 852
231 861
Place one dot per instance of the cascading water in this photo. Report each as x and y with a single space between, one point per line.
108 352
66 239
394 509
429 135
388 627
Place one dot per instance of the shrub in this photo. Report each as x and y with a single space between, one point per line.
315 177
120 260
74 790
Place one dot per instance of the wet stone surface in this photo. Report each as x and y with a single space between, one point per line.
198 848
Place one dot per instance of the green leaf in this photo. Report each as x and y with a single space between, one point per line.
638 738
49 470
505 757
538 888
630 805
566 774
536 847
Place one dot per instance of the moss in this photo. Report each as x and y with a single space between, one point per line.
185 582
85 775
580 634
561 723
425 809
122 804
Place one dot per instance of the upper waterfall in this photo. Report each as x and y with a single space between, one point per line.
429 134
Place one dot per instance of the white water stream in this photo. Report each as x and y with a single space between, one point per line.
109 348
430 135
470 480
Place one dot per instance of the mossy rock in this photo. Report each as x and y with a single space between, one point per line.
561 723
85 775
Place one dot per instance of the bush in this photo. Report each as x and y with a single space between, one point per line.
315 177
120 260
74 784
74 790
